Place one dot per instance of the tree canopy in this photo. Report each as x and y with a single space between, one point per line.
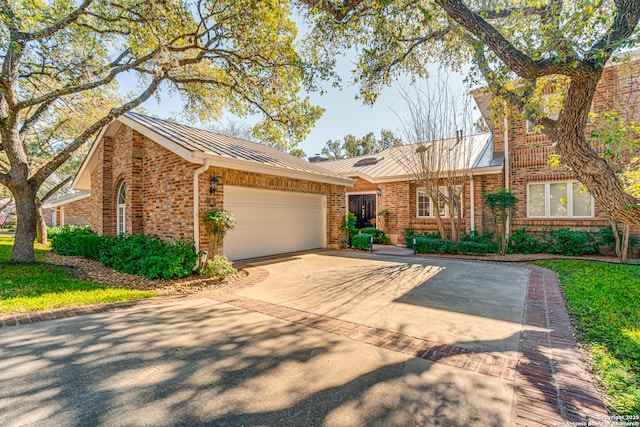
352 146
516 48
66 64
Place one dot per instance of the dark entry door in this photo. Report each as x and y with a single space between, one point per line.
363 206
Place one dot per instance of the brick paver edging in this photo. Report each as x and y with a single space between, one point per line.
459 357
553 383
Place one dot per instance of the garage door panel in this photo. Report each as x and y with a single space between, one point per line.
273 222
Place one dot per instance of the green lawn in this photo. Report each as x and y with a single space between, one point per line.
604 302
41 286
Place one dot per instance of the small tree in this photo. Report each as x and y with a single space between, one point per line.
502 204
217 223
349 226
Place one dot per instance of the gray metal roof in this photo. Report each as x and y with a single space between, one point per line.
393 162
207 142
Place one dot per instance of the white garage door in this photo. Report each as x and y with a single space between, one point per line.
273 222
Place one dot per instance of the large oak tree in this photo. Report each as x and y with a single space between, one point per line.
516 47
64 64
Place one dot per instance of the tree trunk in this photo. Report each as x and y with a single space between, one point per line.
616 236
42 226
590 169
624 249
27 220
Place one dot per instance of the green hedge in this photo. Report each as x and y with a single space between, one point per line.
149 256
63 239
137 254
428 245
378 235
361 241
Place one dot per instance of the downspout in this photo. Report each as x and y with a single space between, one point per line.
196 202
506 157
472 190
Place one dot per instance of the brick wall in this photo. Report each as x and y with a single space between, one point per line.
75 213
335 196
528 152
159 192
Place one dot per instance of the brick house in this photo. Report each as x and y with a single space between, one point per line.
157 177
513 155
70 209
387 181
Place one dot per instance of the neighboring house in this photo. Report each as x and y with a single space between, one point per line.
549 197
157 177
70 209
387 181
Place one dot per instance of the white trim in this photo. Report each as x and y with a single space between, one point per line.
446 213
547 204
65 200
82 180
472 203
248 166
186 154
424 194
121 210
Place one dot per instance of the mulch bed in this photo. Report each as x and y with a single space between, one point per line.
93 271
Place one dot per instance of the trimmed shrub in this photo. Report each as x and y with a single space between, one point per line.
63 239
429 245
378 235
520 242
149 256
88 246
478 248
361 241
569 242
487 239
219 266
409 234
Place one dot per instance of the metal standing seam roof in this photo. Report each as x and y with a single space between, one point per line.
390 162
208 142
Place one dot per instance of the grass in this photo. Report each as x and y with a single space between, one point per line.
41 286
604 302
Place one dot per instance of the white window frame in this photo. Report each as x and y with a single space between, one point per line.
422 192
121 209
445 214
547 201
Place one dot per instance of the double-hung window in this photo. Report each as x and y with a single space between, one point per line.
424 205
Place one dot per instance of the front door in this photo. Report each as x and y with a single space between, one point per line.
363 206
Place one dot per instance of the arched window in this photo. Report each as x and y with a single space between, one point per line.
122 208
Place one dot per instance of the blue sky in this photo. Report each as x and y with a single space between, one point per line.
344 114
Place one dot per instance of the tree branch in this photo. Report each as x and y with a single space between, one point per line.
514 58
45 171
68 90
624 23
58 186
62 23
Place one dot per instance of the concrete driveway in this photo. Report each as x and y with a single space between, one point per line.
324 339
474 305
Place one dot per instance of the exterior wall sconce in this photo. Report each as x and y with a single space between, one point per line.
379 191
214 185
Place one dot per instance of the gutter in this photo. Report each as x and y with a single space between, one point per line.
196 202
